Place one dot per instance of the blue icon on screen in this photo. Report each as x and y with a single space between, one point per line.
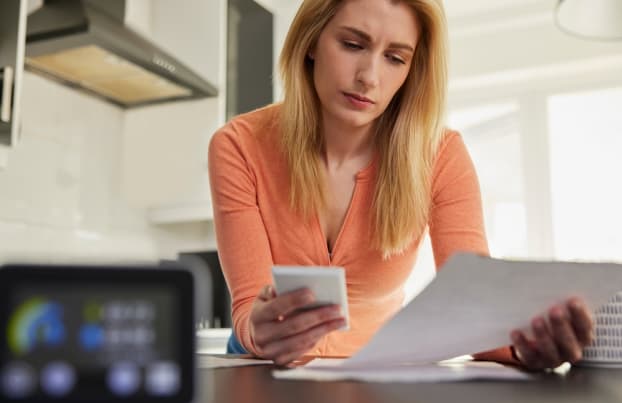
91 336
35 322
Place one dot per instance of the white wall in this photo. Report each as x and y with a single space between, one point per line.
61 196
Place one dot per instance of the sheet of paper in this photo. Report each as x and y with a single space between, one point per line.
441 372
210 361
474 303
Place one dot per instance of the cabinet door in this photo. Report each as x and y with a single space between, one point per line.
165 146
12 42
250 32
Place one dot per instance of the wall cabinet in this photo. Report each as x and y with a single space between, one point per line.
250 54
12 43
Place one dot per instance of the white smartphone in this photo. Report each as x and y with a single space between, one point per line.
328 284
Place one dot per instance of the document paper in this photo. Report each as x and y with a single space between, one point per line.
434 372
474 303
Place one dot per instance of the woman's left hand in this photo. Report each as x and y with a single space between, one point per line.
559 339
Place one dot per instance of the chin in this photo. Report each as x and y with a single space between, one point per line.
356 119
359 124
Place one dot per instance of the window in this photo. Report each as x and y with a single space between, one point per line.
492 135
586 174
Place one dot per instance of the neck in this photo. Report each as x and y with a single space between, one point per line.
345 145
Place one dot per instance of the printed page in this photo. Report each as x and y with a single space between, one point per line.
475 302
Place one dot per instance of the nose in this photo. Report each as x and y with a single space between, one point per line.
368 71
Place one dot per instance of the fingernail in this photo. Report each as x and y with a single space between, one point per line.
538 324
557 313
266 293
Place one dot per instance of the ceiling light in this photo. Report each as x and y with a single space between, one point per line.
590 19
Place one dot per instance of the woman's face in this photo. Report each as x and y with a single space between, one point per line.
362 58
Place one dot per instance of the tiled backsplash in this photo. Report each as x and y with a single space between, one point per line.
60 192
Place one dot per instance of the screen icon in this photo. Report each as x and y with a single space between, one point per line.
35 322
58 379
123 378
163 379
18 380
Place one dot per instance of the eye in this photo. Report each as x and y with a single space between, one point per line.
395 59
351 45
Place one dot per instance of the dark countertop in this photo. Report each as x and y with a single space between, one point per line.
255 384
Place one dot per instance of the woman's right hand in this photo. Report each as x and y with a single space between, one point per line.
282 332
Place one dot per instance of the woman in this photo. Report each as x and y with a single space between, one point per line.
350 170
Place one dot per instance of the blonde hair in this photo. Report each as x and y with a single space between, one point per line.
407 133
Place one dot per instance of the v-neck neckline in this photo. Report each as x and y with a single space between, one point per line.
361 176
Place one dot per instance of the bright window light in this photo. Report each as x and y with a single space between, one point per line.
586 173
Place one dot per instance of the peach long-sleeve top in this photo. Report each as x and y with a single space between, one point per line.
256 228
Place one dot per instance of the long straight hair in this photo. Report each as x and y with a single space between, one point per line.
407 133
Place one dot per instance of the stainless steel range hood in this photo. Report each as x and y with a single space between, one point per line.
85 44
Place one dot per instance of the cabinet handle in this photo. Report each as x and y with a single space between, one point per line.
7 91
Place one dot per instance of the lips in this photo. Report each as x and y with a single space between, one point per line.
358 97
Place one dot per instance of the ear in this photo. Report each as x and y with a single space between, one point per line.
311 54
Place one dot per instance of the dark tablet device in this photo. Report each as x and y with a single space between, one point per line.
96 333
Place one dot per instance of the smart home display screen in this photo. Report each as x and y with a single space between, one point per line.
105 338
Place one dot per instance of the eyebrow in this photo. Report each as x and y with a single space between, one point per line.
367 38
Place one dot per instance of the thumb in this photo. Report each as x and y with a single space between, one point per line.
267 293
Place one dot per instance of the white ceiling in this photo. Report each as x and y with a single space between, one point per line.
463 8
454 8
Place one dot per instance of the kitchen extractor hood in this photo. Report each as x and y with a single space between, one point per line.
86 45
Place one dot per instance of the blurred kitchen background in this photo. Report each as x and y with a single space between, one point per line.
87 178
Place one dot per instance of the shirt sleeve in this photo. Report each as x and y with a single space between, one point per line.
456 220
243 246
503 355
